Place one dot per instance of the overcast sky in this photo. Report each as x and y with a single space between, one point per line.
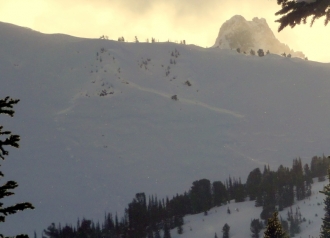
196 21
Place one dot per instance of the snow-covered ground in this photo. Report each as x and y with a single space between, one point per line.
242 214
83 154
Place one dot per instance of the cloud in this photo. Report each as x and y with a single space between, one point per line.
178 18
196 21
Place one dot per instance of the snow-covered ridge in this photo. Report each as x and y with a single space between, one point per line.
237 32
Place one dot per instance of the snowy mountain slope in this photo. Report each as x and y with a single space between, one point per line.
82 154
239 219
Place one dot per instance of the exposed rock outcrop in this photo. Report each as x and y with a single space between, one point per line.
246 35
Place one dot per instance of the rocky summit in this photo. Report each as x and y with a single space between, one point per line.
237 32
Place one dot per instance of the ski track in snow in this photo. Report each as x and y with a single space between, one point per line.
188 101
244 155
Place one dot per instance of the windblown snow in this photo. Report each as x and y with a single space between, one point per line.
237 32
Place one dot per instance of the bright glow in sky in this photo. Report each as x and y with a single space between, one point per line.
198 22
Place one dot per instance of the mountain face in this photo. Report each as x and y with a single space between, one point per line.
246 35
98 123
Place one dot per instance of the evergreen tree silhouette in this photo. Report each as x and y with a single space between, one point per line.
167 233
201 195
6 106
52 231
253 183
296 12
255 228
274 228
325 228
225 231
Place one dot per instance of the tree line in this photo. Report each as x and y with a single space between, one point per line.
150 217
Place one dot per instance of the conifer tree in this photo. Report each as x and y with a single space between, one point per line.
260 52
67 232
51 232
274 228
201 196
253 183
325 228
294 221
309 179
219 193
108 229
294 12
239 191
225 231
137 215
6 106
255 228
298 177
167 233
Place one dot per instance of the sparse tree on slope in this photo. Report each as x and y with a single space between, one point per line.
296 11
225 231
325 228
255 228
274 228
6 106
260 52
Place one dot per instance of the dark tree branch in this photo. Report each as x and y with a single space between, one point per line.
294 12
4 189
6 104
16 208
12 140
19 236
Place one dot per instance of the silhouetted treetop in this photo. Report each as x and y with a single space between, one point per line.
294 12
6 106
